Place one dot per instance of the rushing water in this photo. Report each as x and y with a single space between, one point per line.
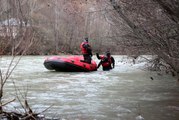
119 94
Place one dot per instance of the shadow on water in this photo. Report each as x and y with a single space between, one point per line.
119 94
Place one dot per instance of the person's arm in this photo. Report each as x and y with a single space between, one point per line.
88 48
99 64
90 53
113 62
97 55
85 46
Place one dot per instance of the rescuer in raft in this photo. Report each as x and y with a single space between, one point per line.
107 61
86 51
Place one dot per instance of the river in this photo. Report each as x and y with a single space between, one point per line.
119 94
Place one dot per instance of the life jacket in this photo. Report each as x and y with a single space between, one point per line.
83 50
106 61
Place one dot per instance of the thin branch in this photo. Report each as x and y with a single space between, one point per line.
8 102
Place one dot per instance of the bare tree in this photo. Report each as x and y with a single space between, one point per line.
19 36
155 25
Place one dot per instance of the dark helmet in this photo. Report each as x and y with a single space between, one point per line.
86 39
108 53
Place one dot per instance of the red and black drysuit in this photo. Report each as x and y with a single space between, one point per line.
86 51
107 62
